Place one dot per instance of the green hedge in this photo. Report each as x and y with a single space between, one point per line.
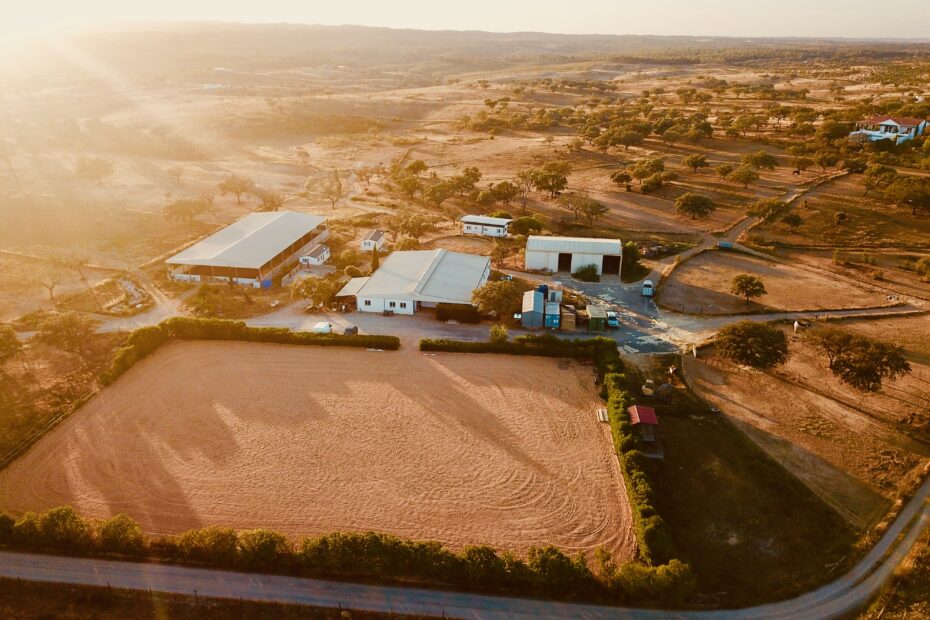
145 340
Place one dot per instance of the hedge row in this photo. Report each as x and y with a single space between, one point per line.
655 544
145 340
545 571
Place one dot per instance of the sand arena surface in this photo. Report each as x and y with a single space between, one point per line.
464 449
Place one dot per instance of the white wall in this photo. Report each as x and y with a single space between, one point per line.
378 304
368 244
579 260
541 261
486 231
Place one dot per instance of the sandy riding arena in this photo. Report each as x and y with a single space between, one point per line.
464 449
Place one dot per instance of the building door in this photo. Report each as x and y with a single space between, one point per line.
565 262
611 265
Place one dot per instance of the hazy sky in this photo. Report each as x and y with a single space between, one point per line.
835 18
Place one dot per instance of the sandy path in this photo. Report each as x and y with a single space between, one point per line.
464 449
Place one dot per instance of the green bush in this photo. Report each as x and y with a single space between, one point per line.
264 550
587 273
63 528
120 534
146 340
210 545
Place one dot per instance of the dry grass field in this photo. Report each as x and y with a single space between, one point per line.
702 286
854 451
464 449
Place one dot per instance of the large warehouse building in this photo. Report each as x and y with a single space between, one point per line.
252 251
407 281
568 254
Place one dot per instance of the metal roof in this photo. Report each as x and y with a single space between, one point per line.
352 287
250 242
641 414
437 276
317 251
901 121
374 235
484 220
581 245
533 301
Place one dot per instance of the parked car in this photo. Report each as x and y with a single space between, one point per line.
648 288
613 321
323 327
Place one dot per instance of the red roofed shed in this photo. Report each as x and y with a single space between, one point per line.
640 414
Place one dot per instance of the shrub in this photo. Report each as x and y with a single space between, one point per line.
26 531
6 528
120 534
525 225
63 528
214 545
498 334
587 273
353 272
264 550
759 345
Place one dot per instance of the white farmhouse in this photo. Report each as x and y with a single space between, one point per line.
485 226
569 254
410 280
374 239
897 128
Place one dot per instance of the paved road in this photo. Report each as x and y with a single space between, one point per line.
844 595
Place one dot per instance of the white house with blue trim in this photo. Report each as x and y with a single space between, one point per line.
897 128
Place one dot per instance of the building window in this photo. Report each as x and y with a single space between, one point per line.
403 304
367 302
391 304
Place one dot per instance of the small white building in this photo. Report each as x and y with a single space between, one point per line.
374 239
409 280
316 256
485 226
897 128
569 254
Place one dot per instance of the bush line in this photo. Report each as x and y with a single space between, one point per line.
146 340
545 571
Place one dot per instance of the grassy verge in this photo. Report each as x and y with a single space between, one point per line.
908 594
751 531
22 600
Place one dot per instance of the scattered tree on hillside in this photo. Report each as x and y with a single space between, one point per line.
857 360
331 188
747 286
694 205
9 343
52 272
760 160
723 170
236 185
878 176
743 175
505 192
792 220
501 298
696 161
417 167
525 181
910 192
185 209
319 291
622 178
270 200
755 344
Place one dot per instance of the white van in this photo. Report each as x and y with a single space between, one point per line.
323 327
648 288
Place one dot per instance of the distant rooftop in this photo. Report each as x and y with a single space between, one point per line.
641 414
250 242
584 245
485 220
901 121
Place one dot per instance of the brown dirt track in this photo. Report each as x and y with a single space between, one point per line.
464 449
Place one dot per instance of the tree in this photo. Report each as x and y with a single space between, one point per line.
857 360
525 181
52 273
759 345
592 210
723 170
744 175
176 172
498 334
319 291
622 178
630 138
375 259
630 257
238 185
694 205
93 169
332 190
766 208
696 161
801 163
645 168
69 331
525 225
759 160
826 159
501 298
878 176
271 200
910 192
121 534
505 192
792 220
9 343
417 167
748 286
185 209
